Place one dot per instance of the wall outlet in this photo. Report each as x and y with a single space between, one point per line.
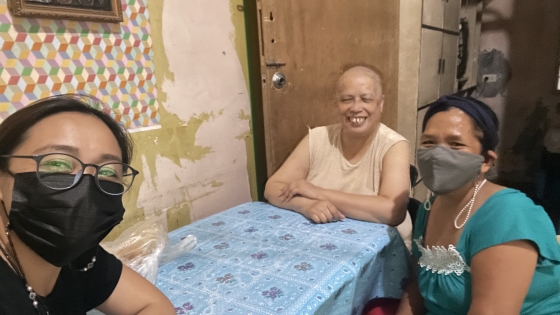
489 78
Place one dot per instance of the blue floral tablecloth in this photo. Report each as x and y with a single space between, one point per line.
259 259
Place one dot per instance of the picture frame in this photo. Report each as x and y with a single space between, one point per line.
109 11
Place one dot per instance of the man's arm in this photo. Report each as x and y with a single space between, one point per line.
388 207
295 169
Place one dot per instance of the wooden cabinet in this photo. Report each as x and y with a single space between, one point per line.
432 13
451 15
438 49
438 60
440 46
448 69
430 62
439 55
441 14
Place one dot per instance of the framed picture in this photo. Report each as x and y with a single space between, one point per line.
82 10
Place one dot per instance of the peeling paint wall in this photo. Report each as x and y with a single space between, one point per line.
201 160
520 44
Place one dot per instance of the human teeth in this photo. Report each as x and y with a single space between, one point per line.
357 120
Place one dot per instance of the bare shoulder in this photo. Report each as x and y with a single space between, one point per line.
296 165
399 150
489 190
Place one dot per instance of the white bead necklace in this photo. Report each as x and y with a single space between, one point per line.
469 205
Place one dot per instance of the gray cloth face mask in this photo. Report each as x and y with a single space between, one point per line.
444 170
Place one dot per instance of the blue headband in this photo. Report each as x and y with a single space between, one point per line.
475 109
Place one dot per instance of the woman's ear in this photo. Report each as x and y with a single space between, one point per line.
490 158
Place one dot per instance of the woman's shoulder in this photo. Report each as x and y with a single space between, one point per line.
509 206
390 134
511 200
324 135
509 215
324 131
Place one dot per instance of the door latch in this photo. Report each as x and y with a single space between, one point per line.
275 64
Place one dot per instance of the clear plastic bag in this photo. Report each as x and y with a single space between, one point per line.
139 247
172 252
145 246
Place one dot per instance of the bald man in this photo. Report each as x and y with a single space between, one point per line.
357 168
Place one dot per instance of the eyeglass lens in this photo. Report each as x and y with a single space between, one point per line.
52 164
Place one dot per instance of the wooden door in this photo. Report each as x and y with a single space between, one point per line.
430 66
449 64
309 42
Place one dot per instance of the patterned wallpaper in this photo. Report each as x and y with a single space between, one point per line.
42 57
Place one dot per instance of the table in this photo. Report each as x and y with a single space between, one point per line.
259 259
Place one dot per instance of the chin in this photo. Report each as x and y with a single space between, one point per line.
364 130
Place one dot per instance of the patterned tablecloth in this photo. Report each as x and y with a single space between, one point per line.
259 259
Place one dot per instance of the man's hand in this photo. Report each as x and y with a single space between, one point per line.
302 188
322 211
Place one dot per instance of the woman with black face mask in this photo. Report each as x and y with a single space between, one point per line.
63 171
480 248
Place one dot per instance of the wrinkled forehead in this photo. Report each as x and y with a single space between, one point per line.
356 74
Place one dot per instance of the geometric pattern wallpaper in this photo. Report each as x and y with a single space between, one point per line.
111 61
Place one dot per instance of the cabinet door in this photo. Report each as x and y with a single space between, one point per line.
452 8
430 55
448 74
432 13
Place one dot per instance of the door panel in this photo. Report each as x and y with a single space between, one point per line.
432 13
430 55
451 15
315 39
449 70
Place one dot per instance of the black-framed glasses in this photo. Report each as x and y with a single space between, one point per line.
62 163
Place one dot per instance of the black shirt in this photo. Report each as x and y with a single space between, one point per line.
74 293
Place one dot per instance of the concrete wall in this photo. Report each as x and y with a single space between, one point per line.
520 43
196 164
410 20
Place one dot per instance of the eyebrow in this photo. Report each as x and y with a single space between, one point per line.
73 150
57 147
447 138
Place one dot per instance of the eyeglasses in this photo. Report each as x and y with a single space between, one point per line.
61 163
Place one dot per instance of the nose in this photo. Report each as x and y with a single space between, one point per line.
356 106
89 170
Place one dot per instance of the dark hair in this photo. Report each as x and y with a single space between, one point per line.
484 119
13 130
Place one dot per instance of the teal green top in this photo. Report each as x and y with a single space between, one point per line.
444 277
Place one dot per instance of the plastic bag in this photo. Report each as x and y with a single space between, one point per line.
172 252
145 246
139 247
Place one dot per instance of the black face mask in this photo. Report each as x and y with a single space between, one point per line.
60 225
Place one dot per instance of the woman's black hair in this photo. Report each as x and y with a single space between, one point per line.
13 130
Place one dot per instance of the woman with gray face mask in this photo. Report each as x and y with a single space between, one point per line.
480 248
